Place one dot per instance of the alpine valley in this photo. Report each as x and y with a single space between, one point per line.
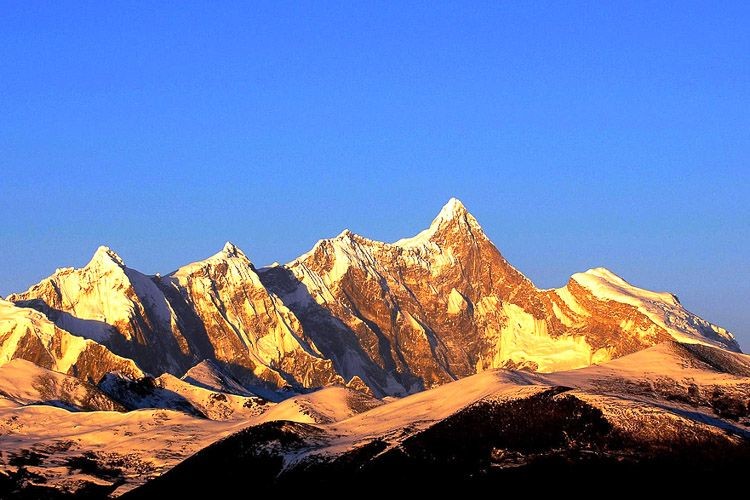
430 360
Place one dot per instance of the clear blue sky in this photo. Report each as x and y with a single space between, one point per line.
589 134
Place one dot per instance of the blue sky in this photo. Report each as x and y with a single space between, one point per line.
580 134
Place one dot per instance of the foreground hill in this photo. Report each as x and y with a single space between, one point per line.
673 406
50 447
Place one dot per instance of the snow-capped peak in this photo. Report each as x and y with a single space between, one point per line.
453 216
603 282
453 213
228 251
105 256
345 234
451 210
662 308
231 250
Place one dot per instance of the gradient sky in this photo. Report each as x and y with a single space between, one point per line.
579 134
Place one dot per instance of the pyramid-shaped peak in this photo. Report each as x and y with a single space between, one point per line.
453 212
231 250
345 234
452 217
454 208
106 256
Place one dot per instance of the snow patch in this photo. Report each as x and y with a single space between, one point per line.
605 284
105 256
525 340
331 404
456 302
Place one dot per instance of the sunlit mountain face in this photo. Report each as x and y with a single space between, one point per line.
428 358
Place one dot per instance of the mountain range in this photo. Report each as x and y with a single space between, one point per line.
392 319
358 360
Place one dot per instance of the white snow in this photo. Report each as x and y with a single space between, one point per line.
226 290
607 387
346 251
665 360
230 253
93 297
25 383
571 302
660 307
606 284
633 392
456 302
351 250
101 296
400 418
144 442
324 406
14 325
105 256
524 339
72 347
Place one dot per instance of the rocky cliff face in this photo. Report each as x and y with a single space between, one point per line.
392 318
29 335
244 326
